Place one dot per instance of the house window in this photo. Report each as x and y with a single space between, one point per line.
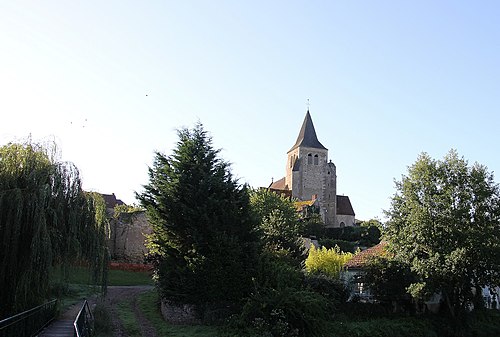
309 158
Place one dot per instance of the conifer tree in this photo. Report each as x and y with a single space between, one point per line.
203 245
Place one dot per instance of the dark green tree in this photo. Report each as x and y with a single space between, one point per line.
46 220
388 280
279 223
203 246
444 220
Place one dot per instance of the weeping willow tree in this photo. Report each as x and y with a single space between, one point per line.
46 220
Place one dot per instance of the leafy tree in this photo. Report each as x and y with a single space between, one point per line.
388 279
280 227
46 220
444 220
326 261
203 245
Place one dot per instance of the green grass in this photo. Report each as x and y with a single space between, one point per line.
129 321
81 275
149 305
129 278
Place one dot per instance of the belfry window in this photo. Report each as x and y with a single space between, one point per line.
315 159
309 158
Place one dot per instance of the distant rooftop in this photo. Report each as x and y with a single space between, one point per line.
111 200
360 259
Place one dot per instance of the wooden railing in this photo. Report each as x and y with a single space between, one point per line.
84 322
29 322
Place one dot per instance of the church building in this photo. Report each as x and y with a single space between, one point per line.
312 178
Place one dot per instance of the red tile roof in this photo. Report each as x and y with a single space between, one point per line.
359 260
279 185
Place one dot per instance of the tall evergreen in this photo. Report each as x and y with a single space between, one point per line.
203 244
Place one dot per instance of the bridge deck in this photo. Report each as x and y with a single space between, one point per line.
59 328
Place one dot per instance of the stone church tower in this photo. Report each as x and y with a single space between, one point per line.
311 177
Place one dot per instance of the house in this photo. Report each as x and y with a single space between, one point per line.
312 178
354 269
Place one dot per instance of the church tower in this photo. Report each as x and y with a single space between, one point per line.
309 175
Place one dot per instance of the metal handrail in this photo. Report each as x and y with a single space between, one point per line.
29 322
84 321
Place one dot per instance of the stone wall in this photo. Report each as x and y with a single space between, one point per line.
128 237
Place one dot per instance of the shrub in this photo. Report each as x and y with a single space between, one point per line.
285 312
330 288
345 246
327 261
383 327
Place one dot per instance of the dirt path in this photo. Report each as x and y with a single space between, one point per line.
117 294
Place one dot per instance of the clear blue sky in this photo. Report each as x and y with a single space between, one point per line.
111 81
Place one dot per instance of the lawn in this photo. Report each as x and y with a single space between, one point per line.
81 275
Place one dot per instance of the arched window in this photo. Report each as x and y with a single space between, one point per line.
342 225
315 159
309 158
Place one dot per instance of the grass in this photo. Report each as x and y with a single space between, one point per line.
81 275
129 278
149 305
129 321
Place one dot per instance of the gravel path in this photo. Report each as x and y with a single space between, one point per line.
117 294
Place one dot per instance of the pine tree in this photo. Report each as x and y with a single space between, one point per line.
203 245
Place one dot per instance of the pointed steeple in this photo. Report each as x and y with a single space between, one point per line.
307 135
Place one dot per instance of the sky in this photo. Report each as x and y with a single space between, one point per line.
111 81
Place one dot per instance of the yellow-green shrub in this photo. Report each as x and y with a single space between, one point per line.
326 261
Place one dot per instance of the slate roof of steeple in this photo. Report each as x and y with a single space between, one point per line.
307 135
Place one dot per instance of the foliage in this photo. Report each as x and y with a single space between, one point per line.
388 279
282 304
203 246
332 289
444 220
280 227
373 223
125 209
46 219
312 224
383 327
327 261
285 312
367 236
344 246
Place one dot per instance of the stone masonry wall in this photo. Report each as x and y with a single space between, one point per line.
128 237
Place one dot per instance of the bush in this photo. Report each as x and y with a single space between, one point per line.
326 261
345 246
284 312
364 236
358 310
383 327
484 323
330 288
